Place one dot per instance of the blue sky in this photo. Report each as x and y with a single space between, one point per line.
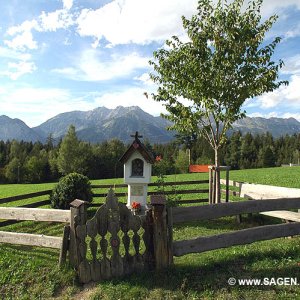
63 55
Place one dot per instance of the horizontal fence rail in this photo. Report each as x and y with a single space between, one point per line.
118 194
39 240
192 191
241 237
214 211
170 183
29 239
35 214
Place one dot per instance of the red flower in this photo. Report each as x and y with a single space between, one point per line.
136 205
158 158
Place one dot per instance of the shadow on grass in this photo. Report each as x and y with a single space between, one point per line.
213 274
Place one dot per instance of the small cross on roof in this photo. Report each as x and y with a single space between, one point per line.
136 135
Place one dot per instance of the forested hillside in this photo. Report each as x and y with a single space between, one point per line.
37 162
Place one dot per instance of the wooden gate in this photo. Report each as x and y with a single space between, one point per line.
111 244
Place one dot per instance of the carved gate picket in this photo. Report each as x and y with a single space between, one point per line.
98 241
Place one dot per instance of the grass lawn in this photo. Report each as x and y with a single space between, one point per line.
33 273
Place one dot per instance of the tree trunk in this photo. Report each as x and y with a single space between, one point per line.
217 186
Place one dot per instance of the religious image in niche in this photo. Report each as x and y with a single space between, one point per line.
137 167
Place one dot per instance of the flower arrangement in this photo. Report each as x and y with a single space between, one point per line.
136 205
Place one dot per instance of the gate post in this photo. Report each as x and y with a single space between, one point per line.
162 232
78 217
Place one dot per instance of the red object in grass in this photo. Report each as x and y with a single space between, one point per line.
136 205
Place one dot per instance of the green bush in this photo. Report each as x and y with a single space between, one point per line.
72 186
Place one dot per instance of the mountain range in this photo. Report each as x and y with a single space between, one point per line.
103 124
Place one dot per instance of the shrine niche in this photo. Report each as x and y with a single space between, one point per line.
137 162
137 167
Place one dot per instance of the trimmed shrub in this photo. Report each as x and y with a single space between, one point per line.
70 187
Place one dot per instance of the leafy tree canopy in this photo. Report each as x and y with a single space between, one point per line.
204 82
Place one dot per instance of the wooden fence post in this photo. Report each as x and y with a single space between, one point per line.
227 184
65 246
162 232
78 217
210 193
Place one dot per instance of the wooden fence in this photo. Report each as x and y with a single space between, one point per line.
241 237
103 194
174 191
110 244
40 240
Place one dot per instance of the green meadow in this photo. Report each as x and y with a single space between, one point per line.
33 273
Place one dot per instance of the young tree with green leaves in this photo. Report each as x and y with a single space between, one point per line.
204 82
73 154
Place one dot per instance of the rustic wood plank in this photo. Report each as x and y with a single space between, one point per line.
192 191
108 186
283 214
103 195
214 211
160 237
231 182
105 268
35 214
191 201
241 237
170 183
232 193
28 239
64 245
25 196
95 270
84 272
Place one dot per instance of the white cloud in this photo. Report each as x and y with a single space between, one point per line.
270 7
36 105
68 4
288 96
275 114
26 26
17 70
130 97
291 65
15 55
145 79
292 115
22 36
59 19
22 41
135 21
272 114
91 66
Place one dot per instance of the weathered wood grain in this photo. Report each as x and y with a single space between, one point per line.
214 211
64 245
102 186
85 271
283 214
240 237
231 182
232 193
28 239
35 214
160 236
190 201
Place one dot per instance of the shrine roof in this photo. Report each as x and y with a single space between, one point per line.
138 146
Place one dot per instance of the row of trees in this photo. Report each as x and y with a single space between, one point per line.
28 162
238 152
